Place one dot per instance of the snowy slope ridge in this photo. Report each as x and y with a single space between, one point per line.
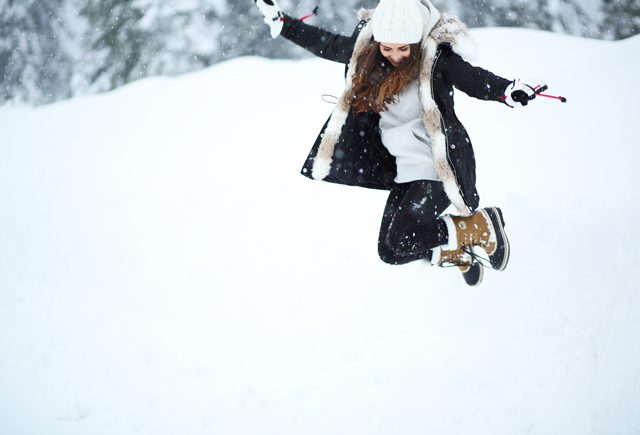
165 269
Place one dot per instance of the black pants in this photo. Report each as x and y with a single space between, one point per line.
410 225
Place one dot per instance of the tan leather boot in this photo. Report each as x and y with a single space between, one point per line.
484 229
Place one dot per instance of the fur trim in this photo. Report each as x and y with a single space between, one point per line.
448 29
365 14
465 47
321 168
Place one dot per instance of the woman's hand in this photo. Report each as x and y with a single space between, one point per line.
273 16
520 92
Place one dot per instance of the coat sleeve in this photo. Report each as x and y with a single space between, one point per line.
325 44
472 80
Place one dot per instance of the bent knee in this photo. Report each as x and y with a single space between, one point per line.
387 255
399 244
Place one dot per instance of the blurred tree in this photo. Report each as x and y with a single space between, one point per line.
558 16
34 67
184 34
622 18
112 45
52 49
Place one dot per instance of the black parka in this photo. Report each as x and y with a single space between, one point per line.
360 158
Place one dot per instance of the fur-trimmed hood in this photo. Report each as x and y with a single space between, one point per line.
439 29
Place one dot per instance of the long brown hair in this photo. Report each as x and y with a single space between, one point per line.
376 81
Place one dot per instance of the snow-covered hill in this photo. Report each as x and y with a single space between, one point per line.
165 269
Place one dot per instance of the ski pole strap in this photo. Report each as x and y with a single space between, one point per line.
539 89
315 12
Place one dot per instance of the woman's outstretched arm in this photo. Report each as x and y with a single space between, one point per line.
325 44
482 84
472 80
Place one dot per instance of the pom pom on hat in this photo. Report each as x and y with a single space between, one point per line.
397 22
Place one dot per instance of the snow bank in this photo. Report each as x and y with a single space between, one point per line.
165 269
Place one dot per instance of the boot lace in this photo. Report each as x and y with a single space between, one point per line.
475 258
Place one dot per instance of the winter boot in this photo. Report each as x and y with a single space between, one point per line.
484 229
472 270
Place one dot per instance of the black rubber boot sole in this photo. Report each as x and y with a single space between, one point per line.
473 276
500 258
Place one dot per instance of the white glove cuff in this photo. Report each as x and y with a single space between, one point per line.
275 25
273 16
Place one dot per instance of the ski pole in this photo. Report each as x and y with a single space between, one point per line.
562 99
538 90
315 12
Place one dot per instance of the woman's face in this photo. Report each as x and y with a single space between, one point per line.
396 53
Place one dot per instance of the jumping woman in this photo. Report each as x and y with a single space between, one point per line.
394 128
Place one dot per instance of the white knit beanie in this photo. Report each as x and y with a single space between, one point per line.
397 22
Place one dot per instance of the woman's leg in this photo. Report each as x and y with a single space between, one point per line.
410 225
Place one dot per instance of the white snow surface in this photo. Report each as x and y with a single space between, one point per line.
165 269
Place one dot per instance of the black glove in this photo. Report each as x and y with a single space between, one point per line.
520 92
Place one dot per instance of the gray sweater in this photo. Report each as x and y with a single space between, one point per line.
404 135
